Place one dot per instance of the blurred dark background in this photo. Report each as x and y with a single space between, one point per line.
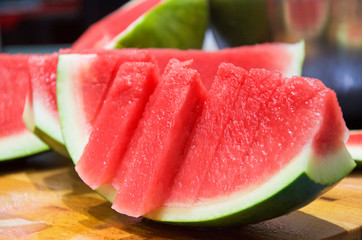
27 22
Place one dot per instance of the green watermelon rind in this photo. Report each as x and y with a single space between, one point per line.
171 24
297 53
278 196
19 145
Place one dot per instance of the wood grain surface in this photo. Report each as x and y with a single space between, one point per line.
42 198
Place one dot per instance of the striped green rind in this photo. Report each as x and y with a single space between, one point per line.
291 188
171 24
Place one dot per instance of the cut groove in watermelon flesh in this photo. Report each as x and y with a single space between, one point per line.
122 108
152 156
15 140
87 78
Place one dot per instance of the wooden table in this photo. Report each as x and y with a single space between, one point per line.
42 198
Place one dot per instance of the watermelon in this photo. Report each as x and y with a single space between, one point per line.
76 110
159 140
354 145
149 23
15 139
43 119
268 139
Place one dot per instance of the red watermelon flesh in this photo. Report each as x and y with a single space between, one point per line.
102 32
153 154
14 83
271 56
95 81
272 120
122 108
15 139
208 131
43 70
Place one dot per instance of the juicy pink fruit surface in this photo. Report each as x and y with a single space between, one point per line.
207 133
269 56
14 82
152 157
122 108
271 121
101 33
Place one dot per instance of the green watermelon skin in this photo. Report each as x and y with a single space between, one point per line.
149 23
15 140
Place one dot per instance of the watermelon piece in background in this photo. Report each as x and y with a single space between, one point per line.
15 139
41 116
121 111
284 147
284 57
153 154
149 23
354 145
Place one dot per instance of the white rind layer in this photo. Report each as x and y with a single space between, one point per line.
22 144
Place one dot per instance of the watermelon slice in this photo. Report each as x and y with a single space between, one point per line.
274 151
150 23
123 107
15 140
74 108
159 140
43 119
354 145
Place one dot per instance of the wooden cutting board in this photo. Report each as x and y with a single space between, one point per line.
43 198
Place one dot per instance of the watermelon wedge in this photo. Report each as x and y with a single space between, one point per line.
42 119
354 145
273 149
149 23
15 139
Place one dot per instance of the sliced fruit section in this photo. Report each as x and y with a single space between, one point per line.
208 131
15 140
277 156
284 57
83 81
122 108
354 145
153 154
150 23
43 119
